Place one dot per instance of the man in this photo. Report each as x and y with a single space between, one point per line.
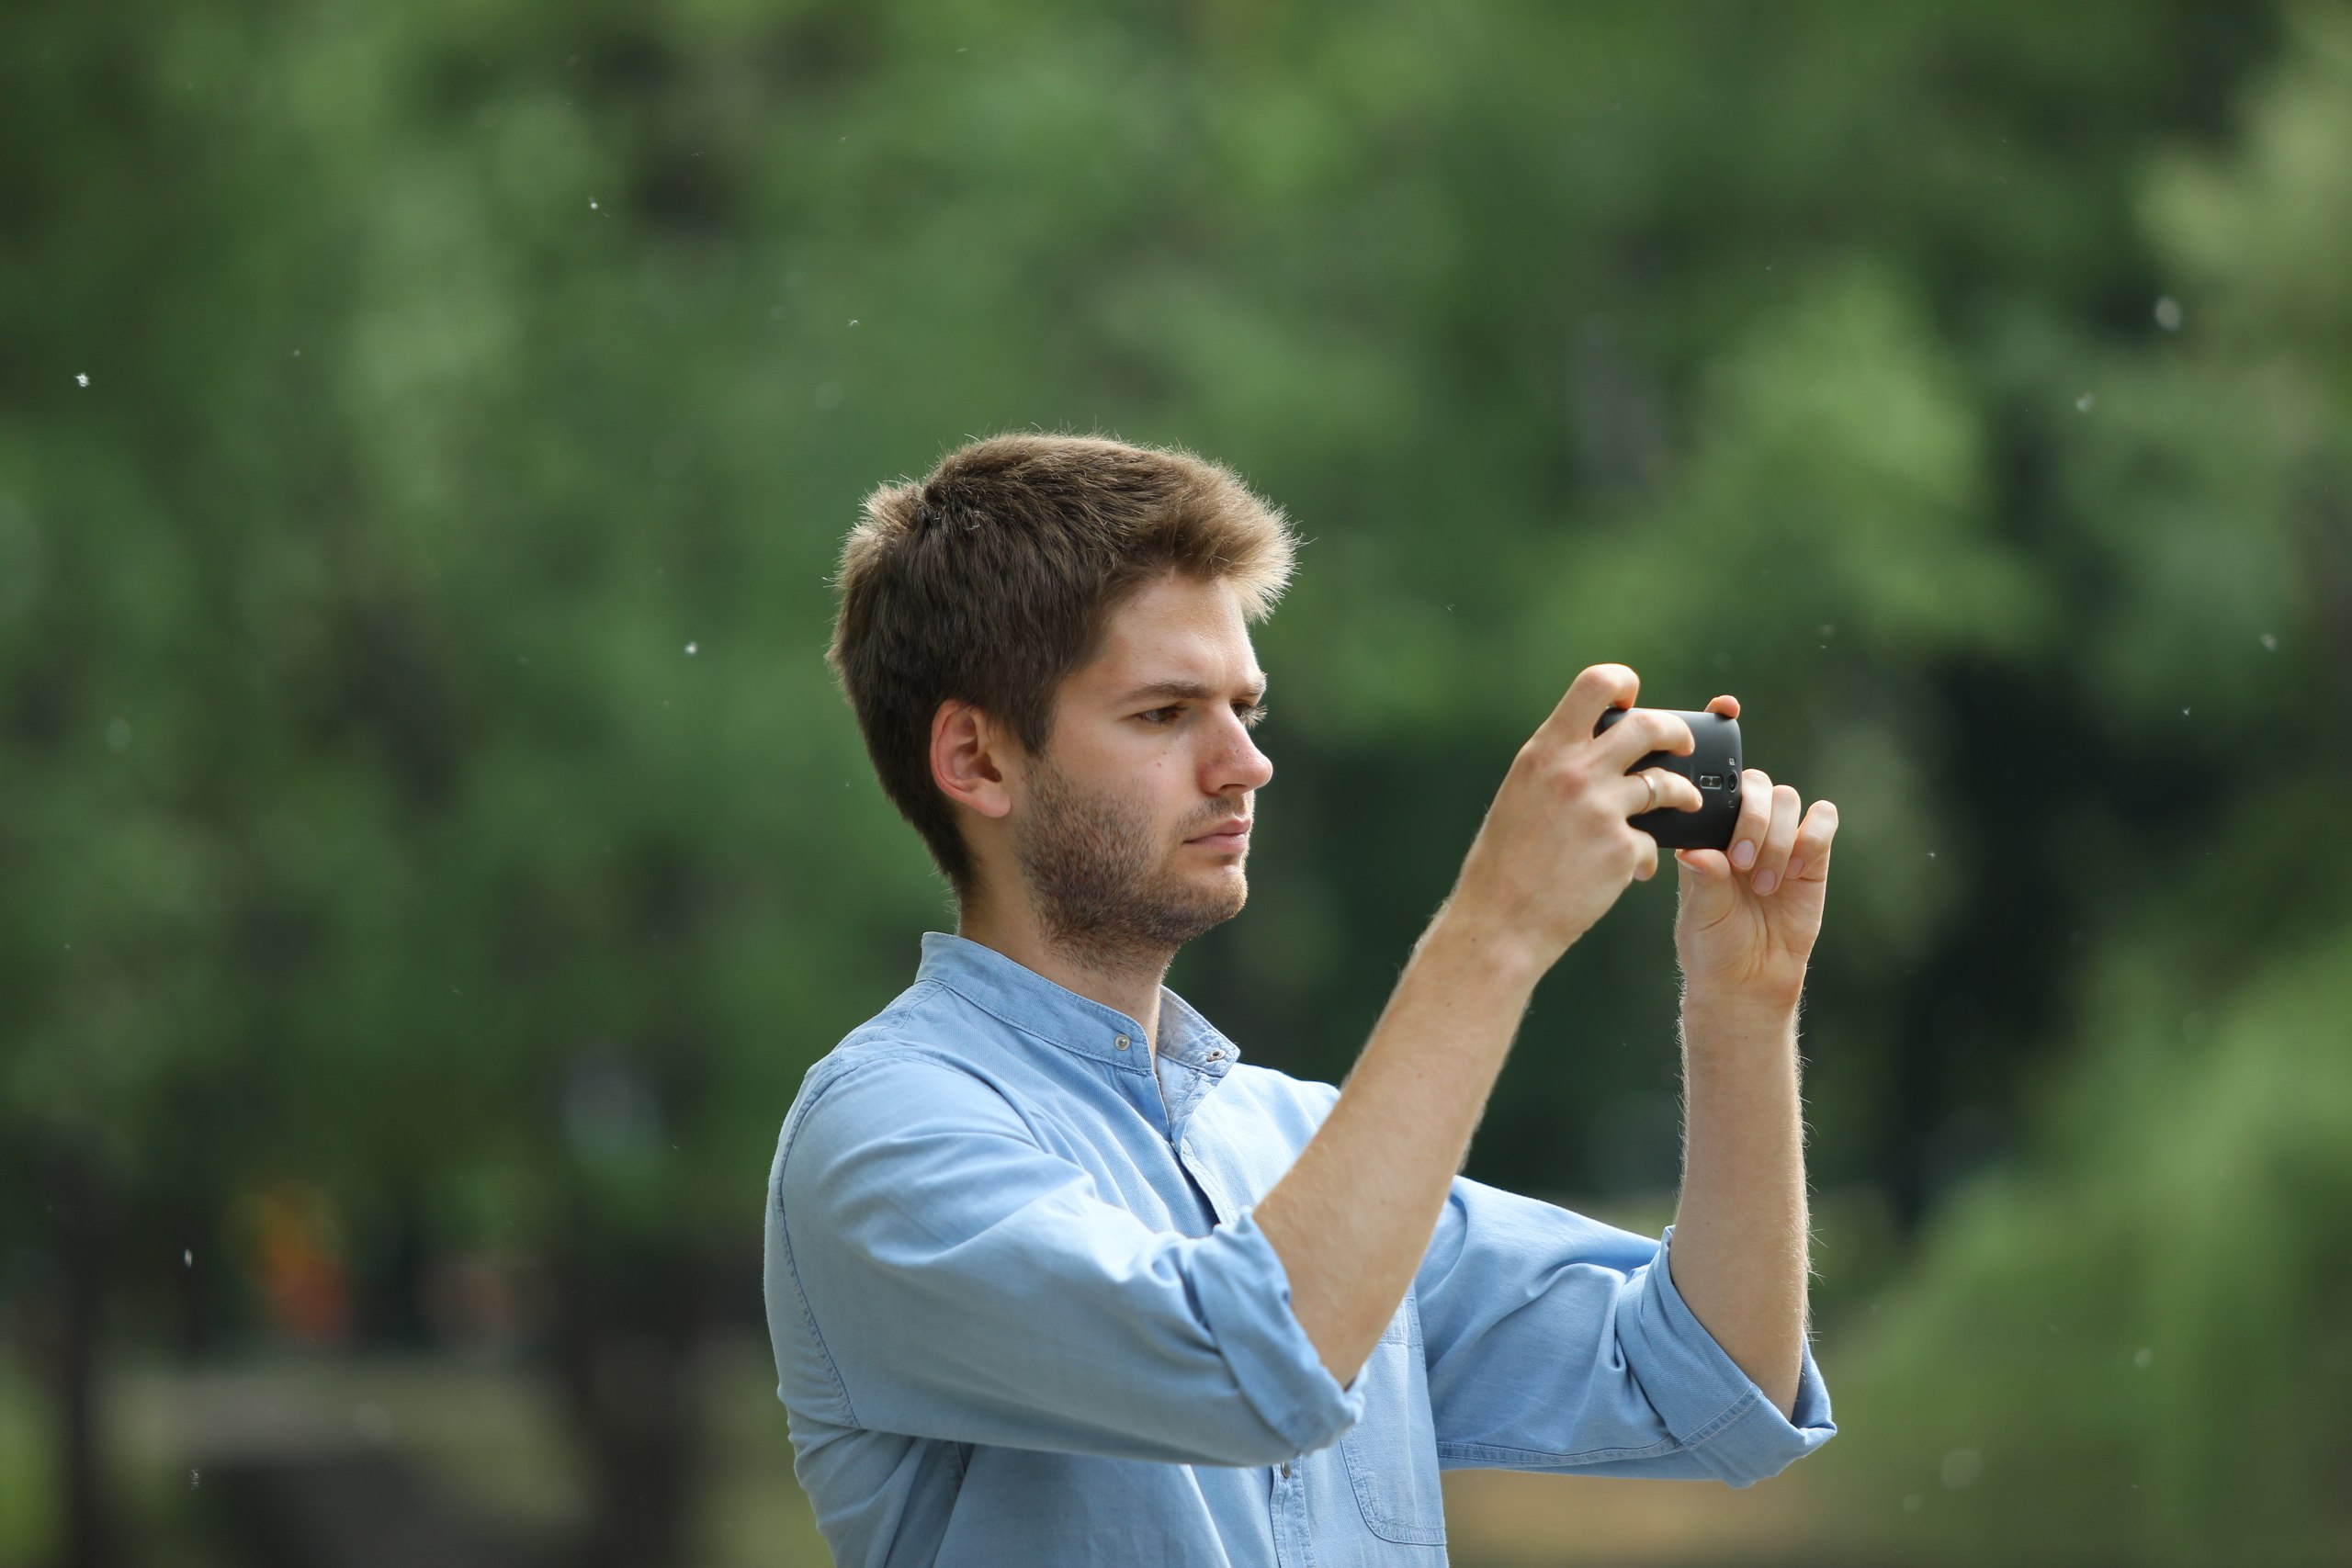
1052 1279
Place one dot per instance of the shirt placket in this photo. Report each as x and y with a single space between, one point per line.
1286 1495
1294 1542
1187 1154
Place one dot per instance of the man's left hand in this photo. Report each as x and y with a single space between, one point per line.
1744 933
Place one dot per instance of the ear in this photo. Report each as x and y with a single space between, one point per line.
970 754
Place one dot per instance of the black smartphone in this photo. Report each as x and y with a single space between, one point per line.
1714 765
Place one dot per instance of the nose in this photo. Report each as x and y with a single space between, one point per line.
1242 762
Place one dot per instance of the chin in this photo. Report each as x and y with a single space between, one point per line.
1220 902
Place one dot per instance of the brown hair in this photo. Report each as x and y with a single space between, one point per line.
994 579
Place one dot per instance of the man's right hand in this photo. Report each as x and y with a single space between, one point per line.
1558 846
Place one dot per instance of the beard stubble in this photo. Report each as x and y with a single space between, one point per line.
1100 883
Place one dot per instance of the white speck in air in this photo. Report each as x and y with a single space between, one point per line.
1961 1468
853 321
81 380
2084 403
2184 712
2270 642
117 734
187 1258
1931 855
195 1479
592 205
691 648
2144 1358
2168 313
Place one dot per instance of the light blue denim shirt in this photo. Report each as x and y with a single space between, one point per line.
1023 1317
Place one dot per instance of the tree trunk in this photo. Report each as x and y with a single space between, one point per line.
626 1342
86 1539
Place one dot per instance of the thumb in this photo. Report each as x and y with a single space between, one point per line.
1703 868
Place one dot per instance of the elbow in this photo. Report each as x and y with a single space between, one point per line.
1251 1441
1762 1444
1753 1469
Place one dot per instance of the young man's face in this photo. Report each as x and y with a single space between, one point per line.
1151 751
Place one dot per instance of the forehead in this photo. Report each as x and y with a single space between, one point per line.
1176 628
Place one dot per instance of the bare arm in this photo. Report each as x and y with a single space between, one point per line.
1353 1218
1740 1227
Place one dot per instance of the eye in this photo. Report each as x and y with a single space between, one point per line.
1153 717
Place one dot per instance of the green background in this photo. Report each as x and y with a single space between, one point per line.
431 849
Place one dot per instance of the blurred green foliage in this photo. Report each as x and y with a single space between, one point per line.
422 779
2136 1344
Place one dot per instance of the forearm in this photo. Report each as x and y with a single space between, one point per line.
1740 1227
1353 1218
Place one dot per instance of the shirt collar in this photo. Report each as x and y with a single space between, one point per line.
1014 991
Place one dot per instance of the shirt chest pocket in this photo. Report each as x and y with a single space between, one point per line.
1392 1453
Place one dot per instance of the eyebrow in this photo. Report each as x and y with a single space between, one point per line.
1192 689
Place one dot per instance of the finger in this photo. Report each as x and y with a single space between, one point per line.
1597 687
1773 859
1638 734
1645 866
1726 705
1708 868
1675 793
1810 858
1755 816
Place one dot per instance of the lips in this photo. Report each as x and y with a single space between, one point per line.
1236 831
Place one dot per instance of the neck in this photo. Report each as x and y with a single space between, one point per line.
1124 984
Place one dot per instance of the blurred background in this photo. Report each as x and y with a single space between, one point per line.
431 850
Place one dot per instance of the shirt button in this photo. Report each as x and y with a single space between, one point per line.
1122 1043
1216 1055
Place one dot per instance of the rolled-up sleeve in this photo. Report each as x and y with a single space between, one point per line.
938 1272
1557 1343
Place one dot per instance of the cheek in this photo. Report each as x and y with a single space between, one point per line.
1167 793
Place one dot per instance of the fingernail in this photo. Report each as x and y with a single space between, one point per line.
1743 856
1764 880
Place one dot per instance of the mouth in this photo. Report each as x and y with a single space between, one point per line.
1232 836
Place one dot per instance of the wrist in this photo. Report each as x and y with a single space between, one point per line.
1460 933
1739 1014
1751 996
